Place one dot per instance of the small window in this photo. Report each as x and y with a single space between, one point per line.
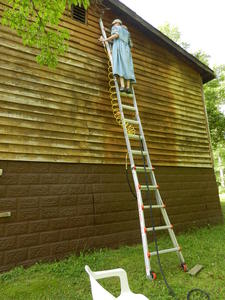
78 13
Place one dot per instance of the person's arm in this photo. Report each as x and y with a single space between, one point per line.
130 42
110 38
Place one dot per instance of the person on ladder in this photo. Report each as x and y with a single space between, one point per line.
121 54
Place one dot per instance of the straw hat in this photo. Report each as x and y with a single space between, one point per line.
116 21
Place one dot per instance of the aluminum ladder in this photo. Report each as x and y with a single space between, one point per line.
139 188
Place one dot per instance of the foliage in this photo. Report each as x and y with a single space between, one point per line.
174 34
216 88
67 279
202 56
215 96
222 193
219 160
37 22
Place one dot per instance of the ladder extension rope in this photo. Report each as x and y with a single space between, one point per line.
114 101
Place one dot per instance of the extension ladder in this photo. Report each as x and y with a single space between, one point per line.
139 188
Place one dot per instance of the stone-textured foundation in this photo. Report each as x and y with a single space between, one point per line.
59 208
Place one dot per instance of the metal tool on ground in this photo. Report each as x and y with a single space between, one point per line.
195 270
140 188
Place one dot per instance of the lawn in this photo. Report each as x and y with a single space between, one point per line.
67 279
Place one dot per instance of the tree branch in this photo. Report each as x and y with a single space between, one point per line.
37 12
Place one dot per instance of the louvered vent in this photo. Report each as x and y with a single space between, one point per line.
78 13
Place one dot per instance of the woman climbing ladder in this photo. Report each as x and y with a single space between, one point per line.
121 54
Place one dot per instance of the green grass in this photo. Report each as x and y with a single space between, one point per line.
67 279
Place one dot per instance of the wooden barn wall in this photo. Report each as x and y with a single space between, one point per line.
59 208
64 114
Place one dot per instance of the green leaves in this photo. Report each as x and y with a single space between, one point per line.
202 56
215 96
37 23
174 34
85 3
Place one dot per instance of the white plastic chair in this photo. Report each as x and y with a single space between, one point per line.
99 293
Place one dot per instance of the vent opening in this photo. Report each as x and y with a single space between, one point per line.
78 13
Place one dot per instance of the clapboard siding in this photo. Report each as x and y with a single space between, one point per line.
64 114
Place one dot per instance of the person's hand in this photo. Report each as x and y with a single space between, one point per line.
101 39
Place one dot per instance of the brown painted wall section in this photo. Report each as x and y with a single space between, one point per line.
59 209
65 115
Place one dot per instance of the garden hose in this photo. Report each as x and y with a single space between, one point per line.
196 294
128 180
170 290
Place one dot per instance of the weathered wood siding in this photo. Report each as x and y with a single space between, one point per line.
64 115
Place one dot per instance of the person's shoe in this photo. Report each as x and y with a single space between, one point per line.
128 91
122 90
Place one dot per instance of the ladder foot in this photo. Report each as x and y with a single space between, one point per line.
184 267
153 275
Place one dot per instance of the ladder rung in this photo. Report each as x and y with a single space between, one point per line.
142 169
138 152
159 228
134 137
129 107
165 251
154 206
131 121
151 187
126 95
